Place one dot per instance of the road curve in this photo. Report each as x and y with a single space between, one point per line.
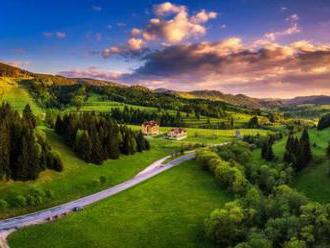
54 212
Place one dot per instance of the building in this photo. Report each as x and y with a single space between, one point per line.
177 133
150 128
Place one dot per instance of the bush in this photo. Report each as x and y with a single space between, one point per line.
19 201
49 193
54 161
102 180
3 204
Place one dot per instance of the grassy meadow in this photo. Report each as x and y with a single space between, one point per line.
78 178
16 95
165 211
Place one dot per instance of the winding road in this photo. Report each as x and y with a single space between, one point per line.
60 210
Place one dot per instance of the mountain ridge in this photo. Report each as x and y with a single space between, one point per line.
243 100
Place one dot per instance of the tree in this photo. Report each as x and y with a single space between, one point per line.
324 122
328 151
267 150
304 155
4 151
226 226
253 122
29 117
140 142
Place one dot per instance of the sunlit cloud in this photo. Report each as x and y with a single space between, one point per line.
92 72
171 24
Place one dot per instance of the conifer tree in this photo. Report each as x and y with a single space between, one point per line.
29 117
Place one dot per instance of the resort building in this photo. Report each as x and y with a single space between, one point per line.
177 133
150 128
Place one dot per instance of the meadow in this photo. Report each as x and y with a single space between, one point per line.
165 211
16 95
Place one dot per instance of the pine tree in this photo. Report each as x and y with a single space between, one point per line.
29 117
4 151
140 142
306 151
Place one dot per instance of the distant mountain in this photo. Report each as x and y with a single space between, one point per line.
238 100
322 99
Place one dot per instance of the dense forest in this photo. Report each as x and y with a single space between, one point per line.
138 116
266 212
96 137
24 153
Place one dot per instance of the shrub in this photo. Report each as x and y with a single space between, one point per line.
102 180
19 201
49 193
3 204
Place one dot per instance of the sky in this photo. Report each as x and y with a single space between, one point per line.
261 48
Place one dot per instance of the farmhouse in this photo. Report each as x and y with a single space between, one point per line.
150 128
177 133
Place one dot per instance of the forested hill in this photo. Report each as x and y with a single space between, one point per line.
240 100
11 71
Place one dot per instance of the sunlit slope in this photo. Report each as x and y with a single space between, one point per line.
15 94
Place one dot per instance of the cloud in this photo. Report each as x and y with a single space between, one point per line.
135 44
171 24
223 26
92 72
230 65
293 28
58 35
96 8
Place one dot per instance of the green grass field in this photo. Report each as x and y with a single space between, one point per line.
165 211
78 177
16 95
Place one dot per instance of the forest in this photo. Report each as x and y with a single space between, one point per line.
24 152
97 137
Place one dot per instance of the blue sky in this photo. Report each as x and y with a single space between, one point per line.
64 36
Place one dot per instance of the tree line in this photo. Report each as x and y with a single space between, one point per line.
24 152
138 116
97 137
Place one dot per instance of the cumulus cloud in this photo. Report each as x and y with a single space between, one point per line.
135 44
171 24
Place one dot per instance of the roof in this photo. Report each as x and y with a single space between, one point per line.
178 130
150 123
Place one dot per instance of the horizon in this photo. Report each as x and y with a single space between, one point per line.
277 49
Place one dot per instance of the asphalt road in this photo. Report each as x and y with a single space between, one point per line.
54 212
